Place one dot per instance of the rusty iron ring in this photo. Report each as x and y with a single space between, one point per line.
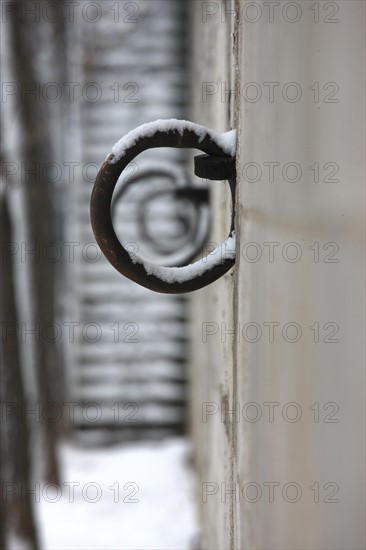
186 135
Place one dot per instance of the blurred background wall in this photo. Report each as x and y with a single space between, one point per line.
85 353
130 358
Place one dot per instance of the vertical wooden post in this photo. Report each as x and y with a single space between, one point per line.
16 511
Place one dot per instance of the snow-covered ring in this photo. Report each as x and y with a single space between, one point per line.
224 251
226 141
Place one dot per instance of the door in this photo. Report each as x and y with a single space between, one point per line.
278 344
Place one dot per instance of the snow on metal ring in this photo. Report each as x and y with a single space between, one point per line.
160 133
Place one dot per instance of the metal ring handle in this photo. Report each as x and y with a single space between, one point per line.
168 280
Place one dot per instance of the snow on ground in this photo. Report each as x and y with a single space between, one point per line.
133 496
